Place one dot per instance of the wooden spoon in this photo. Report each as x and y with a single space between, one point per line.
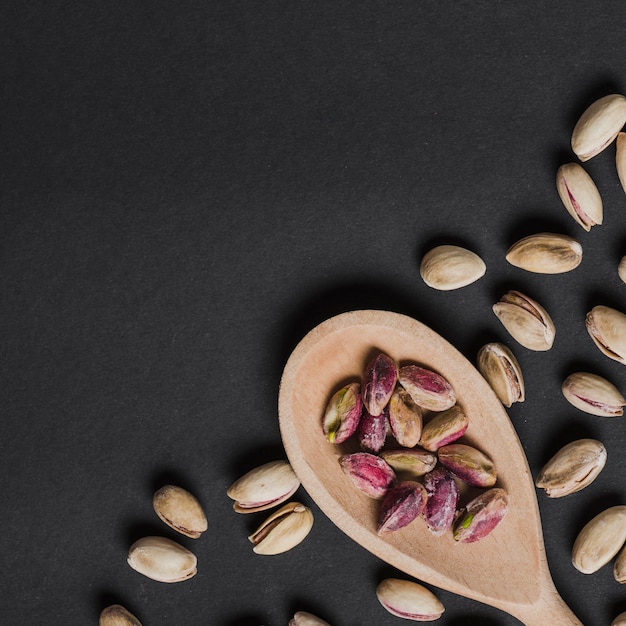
507 569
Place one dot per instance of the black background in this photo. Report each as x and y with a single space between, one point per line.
188 187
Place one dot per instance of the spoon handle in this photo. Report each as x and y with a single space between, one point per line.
550 609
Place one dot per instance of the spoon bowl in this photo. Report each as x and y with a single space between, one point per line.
507 569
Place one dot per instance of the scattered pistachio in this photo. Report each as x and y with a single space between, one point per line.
481 515
546 253
526 321
502 371
600 540
162 559
428 389
405 418
620 620
302 618
409 600
372 430
180 510
572 468
621 268
379 381
444 428
401 505
282 530
369 473
343 413
593 394
413 462
117 615
443 499
598 126
579 195
620 158
450 267
619 567
264 487
607 329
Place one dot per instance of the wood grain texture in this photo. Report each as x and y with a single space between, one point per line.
508 569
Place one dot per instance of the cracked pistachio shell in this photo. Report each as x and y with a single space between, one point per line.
263 487
162 559
180 510
450 267
600 540
481 515
572 468
117 615
579 195
621 269
526 321
598 126
593 394
620 158
428 389
607 329
502 371
619 569
302 618
405 418
409 600
444 428
410 461
620 620
469 464
283 530
343 413
546 253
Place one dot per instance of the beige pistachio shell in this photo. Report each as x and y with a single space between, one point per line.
598 126
607 328
526 321
620 620
621 269
574 467
264 487
117 615
302 618
593 394
162 559
620 158
502 371
546 253
450 267
180 510
619 569
579 195
283 530
600 540
409 600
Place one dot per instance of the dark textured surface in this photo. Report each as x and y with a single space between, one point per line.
187 188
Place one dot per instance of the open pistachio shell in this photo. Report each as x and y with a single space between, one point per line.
546 253
607 328
283 530
579 195
180 510
502 371
593 394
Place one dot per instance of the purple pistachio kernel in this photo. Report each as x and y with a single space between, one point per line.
428 389
401 505
405 418
469 464
443 499
444 428
343 413
369 473
481 515
379 381
372 431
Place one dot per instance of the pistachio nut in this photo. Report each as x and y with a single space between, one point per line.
405 418
546 253
180 510
370 473
593 394
572 468
264 487
579 195
117 615
620 620
302 618
526 321
444 428
379 381
600 540
283 530
372 430
481 515
409 600
502 371
443 499
162 559
427 388
598 126
343 413
619 567
450 267
621 269
401 505
607 329
620 158
410 461
469 464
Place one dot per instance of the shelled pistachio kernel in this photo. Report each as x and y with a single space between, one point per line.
405 418
546 253
469 464
428 389
162 559
369 473
264 487
593 394
283 530
598 126
401 505
378 382
600 540
502 371
607 328
343 413
574 467
409 600
444 428
481 516
579 195
180 510
117 615
450 267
